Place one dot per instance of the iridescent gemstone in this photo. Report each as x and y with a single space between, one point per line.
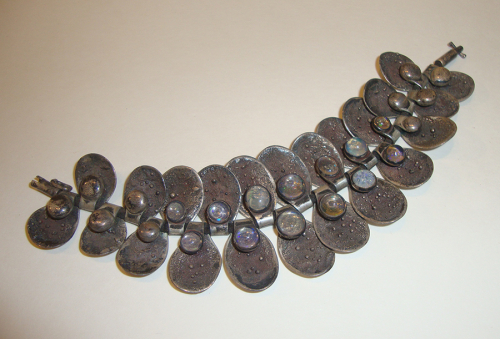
291 224
410 72
148 231
332 206
257 199
440 76
246 239
327 166
291 187
394 155
364 180
382 123
218 212
191 242
59 206
90 188
398 101
135 202
175 211
356 147
101 221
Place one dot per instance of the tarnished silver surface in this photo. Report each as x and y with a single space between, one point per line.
195 273
357 120
461 85
254 271
139 258
219 184
98 167
149 181
382 206
306 255
48 233
101 244
183 184
415 170
376 97
346 235
280 161
310 147
390 63
445 106
251 172
334 130
433 132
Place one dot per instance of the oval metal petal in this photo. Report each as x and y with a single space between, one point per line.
310 147
100 244
381 206
48 233
148 180
434 132
445 106
219 184
376 95
461 85
99 167
334 130
306 255
251 172
195 273
183 184
254 271
390 63
280 161
415 170
138 258
357 120
346 235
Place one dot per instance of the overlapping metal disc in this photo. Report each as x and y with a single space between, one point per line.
357 120
334 130
310 147
415 170
382 206
390 63
445 106
434 132
306 255
195 273
103 243
47 233
461 85
376 97
95 178
254 271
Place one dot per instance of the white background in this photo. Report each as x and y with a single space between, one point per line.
166 83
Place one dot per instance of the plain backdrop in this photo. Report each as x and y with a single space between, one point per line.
167 83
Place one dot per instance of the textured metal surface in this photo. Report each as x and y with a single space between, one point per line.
306 255
357 120
389 65
148 180
219 184
445 106
434 132
334 130
254 271
280 161
251 172
183 184
310 147
48 233
101 244
376 97
381 206
195 273
346 235
97 166
138 258
415 170
461 85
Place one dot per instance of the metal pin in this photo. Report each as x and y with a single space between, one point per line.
450 55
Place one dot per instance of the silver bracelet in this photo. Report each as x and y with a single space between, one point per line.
273 189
